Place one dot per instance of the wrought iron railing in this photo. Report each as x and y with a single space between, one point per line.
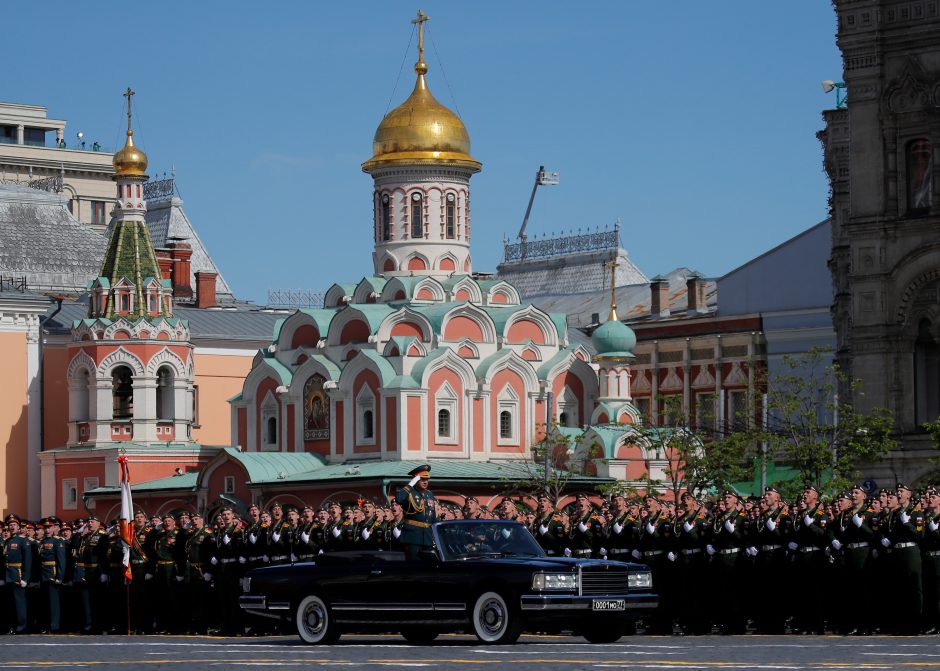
589 241
51 184
295 298
13 283
160 188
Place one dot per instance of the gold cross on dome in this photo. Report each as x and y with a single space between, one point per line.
128 94
613 265
419 21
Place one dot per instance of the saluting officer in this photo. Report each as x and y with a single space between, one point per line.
419 510
89 560
18 558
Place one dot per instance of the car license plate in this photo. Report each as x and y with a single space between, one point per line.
608 604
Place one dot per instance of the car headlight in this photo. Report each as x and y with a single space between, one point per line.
246 584
640 580
543 581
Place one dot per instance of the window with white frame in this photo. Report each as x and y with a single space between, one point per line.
70 493
737 410
87 485
445 406
566 408
228 484
705 411
508 414
643 406
269 428
417 216
365 416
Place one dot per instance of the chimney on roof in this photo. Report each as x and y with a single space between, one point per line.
695 287
205 289
181 252
659 297
165 261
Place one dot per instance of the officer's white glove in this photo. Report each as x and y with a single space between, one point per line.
836 545
336 532
396 532
567 552
213 561
671 556
320 552
753 551
650 529
886 542
207 577
23 582
253 538
543 529
104 579
148 576
266 559
603 552
293 557
729 527
305 537
365 534
506 533
582 527
617 528
226 539
710 549
179 578
414 481
242 560
807 520
636 554
276 536
933 526
857 520
687 526
792 546
770 524
57 581
905 518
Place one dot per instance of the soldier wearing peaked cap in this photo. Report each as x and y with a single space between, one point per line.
419 509
811 537
52 569
904 525
18 558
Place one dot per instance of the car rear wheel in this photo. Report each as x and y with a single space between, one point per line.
493 621
315 624
419 636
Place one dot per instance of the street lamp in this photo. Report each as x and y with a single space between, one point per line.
841 98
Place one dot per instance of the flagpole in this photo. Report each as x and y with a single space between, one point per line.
127 593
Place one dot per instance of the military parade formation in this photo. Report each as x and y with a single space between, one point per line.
858 564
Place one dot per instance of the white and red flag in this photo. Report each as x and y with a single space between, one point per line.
126 517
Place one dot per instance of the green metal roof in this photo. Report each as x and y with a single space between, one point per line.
561 323
184 482
375 282
418 371
322 317
435 313
547 366
501 315
374 313
331 367
403 343
452 281
283 372
386 372
267 466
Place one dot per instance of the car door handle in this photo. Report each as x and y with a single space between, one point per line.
375 571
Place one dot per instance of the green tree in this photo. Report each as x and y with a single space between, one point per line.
817 431
551 467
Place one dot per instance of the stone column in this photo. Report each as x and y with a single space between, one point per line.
20 134
145 408
182 409
103 410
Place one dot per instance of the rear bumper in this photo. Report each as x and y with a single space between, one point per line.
546 603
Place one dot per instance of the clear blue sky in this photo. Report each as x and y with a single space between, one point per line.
694 122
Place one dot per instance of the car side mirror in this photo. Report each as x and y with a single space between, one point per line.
428 555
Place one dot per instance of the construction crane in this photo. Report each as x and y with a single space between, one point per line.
542 178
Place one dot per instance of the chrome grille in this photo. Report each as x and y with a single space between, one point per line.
604 579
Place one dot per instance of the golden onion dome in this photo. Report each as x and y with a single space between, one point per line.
421 130
130 161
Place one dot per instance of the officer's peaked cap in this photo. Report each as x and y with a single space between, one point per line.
424 471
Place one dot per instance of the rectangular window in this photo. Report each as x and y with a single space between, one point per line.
643 405
228 484
705 412
417 229
138 190
87 485
97 213
125 303
505 424
450 221
386 222
70 493
738 419
195 414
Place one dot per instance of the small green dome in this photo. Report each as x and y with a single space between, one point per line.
614 340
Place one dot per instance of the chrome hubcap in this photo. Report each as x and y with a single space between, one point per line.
314 618
492 616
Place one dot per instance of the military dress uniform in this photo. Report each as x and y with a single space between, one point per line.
198 583
811 537
930 557
141 588
279 543
852 539
551 533
904 527
585 535
225 559
168 571
52 558
725 546
18 557
256 550
89 560
691 532
419 513
655 544
772 532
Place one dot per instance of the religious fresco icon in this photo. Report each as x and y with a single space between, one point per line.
316 410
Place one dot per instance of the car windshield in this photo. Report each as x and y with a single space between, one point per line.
465 540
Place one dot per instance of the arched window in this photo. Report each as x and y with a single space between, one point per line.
919 175
450 210
563 419
165 393
80 402
386 219
443 423
926 375
505 424
368 425
417 216
271 431
122 393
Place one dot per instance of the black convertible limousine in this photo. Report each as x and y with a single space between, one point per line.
488 577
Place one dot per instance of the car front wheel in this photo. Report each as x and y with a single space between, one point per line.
493 621
315 623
